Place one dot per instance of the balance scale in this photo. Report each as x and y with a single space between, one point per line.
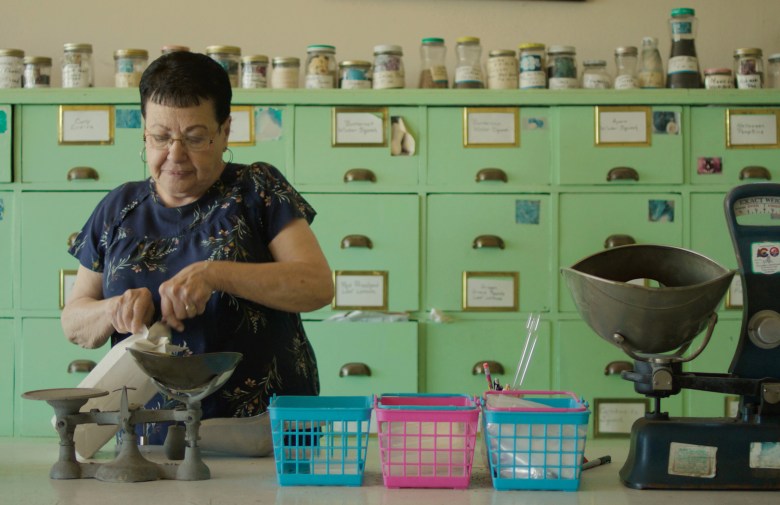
188 379
656 327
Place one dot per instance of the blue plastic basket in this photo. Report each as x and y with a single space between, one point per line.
535 448
320 440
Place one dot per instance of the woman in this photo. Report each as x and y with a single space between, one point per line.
220 252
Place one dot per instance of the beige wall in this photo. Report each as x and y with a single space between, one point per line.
286 27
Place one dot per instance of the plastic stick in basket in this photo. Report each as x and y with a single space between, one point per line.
532 325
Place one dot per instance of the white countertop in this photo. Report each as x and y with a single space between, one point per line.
25 464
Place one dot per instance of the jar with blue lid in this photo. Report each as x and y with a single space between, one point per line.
355 74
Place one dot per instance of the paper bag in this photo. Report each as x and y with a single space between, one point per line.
117 369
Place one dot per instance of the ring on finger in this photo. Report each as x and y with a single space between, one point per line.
190 309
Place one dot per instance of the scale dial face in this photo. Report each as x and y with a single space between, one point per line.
765 205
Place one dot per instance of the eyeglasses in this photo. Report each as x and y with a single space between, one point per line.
190 143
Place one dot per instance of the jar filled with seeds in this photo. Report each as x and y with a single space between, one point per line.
254 71
77 69
502 70
129 65
321 67
432 56
562 67
355 74
389 67
285 72
37 72
11 67
468 72
532 71
230 59
749 68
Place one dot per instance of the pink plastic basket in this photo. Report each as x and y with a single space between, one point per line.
427 441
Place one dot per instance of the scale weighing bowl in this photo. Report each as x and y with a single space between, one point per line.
186 373
651 319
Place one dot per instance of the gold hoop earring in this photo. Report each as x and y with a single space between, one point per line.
142 154
230 155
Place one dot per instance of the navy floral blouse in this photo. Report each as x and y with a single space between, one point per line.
135 241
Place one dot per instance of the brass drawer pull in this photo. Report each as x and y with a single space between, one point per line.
80 173
349 369
356 241
491 174
618 240
755 172
495 367
488 241
615 367
622 174
81 366
72 239
359 175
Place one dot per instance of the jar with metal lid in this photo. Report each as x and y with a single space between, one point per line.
172 48
129 65
434 70
595 75
562 67
321 67
532 71
468 71
502 72
355 74
254 71
77 69
285 72
389 67
11 67
625 63
718 78
749 68
37 72
773 71
230 59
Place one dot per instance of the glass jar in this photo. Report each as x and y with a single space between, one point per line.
321 67
286 72
532 66
129 65
172 48
37 72
562 67
502 70
355 74
254 71
468 71
389 67
432 56
625 63
773 71
683 67
77 69
230 59
595 75
651 70
749 68
718 78
11 67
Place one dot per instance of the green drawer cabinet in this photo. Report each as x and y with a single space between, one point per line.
713 162
49 219
346 352
454 351
268 141
488 233
581 161
6 139
591 222
7 214
45 160
317 161
43 358
450 163
372 233
6 377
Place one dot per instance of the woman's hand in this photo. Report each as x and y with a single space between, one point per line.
132 310
185 295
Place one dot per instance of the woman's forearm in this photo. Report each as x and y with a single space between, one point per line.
87 322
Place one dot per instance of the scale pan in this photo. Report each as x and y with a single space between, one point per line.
186 373
651 319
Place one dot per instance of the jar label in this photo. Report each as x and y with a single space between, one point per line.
439 74
502 73
284 78
127 79
651 79
625 82
595 81
253 80
530 63
718 82
563 83
680 64
75 75
317 81
386 79
682 27
468 74
749 81
355 84
10 72
531 80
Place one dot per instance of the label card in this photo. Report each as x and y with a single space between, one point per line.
491 127
358 290
752 128
615 416
359 127
622 126
490 291
86 124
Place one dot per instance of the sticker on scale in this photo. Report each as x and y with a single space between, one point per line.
765 455
765 257
692 460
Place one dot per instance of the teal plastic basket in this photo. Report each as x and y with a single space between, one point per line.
537 447
320 440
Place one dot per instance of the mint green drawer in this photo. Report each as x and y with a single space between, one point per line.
587 221
7 256
49 218
44 160
709 231
455 222
452 164
268 141
708 140
6 136
6 377
43 356
318 162
388 350
581 161
392 225
454 350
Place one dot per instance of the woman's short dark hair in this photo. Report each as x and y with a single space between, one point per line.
183 79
